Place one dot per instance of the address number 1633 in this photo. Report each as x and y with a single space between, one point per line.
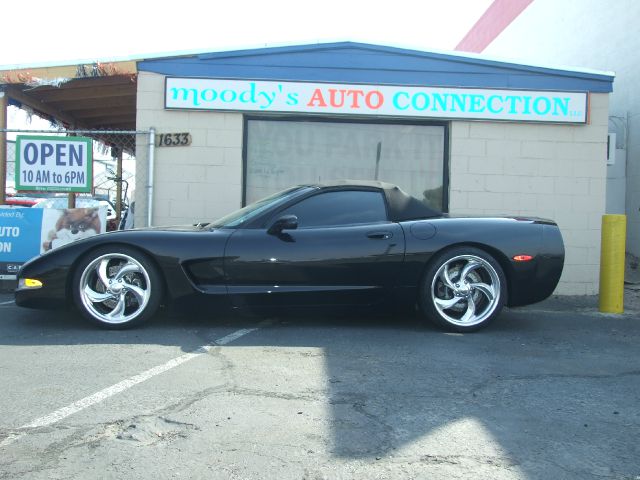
173 140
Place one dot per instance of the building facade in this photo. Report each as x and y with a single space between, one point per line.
592 33
466 135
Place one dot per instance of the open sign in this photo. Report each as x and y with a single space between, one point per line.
60 164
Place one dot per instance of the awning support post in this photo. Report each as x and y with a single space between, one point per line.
151 161
3 147
118 186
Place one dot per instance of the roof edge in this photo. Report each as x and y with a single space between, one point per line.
465 57
230 52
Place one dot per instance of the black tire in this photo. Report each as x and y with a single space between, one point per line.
463 289
117 287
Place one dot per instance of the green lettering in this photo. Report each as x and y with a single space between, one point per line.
228 96
561 104
490 104
425 101
248 96
395 100
476 103
546 107
439 101
513 100
212 94
460 101
186 93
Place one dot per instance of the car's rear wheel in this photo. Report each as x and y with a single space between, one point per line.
117 287
463 289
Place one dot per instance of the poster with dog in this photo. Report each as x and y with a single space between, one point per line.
28 232
60 227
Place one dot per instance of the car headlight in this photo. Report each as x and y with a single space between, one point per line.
29 283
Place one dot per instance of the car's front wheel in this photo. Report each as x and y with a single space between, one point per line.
463 289
117 287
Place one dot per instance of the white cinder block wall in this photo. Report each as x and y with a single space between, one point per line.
200 182
554 171
596 34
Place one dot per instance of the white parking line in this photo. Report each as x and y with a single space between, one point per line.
119 387
7 303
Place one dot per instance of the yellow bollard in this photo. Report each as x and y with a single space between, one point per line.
614 232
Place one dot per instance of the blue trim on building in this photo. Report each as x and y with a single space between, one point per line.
349 62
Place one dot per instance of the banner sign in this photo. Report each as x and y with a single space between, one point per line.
19 237
27 232
379 100
57 164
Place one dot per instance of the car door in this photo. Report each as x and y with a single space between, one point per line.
343 251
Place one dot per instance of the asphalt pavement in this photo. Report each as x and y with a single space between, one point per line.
550 391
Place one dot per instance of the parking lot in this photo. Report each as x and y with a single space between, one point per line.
550 391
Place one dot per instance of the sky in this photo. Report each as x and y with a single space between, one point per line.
71 30
63 31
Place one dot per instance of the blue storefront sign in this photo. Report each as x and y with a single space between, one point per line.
19 237
378 100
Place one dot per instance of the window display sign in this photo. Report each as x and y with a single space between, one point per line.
57 164
281 153
380 100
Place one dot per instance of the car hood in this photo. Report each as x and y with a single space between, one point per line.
199 227
173 228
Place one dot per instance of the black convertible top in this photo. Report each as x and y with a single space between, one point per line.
402 206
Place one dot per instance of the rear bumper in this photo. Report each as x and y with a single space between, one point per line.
539 279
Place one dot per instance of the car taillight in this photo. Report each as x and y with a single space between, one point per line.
522 258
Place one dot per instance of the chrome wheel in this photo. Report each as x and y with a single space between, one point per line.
115 288
466 290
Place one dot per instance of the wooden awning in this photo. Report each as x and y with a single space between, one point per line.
95 96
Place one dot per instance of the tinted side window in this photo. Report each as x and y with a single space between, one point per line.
339 208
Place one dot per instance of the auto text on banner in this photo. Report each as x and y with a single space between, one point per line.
19 238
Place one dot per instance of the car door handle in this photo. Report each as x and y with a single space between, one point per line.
380 235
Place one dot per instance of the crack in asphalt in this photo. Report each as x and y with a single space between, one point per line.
93 435
358 403
493 461
544 376
250 392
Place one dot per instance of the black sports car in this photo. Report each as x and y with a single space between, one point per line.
347 243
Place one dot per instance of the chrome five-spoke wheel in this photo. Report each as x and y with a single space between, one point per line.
116 289
464 289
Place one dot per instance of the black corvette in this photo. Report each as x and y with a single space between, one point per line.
354 243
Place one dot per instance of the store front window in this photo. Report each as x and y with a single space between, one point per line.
281 153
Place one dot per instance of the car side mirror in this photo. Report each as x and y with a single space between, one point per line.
286 222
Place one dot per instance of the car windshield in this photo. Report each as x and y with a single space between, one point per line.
249 212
